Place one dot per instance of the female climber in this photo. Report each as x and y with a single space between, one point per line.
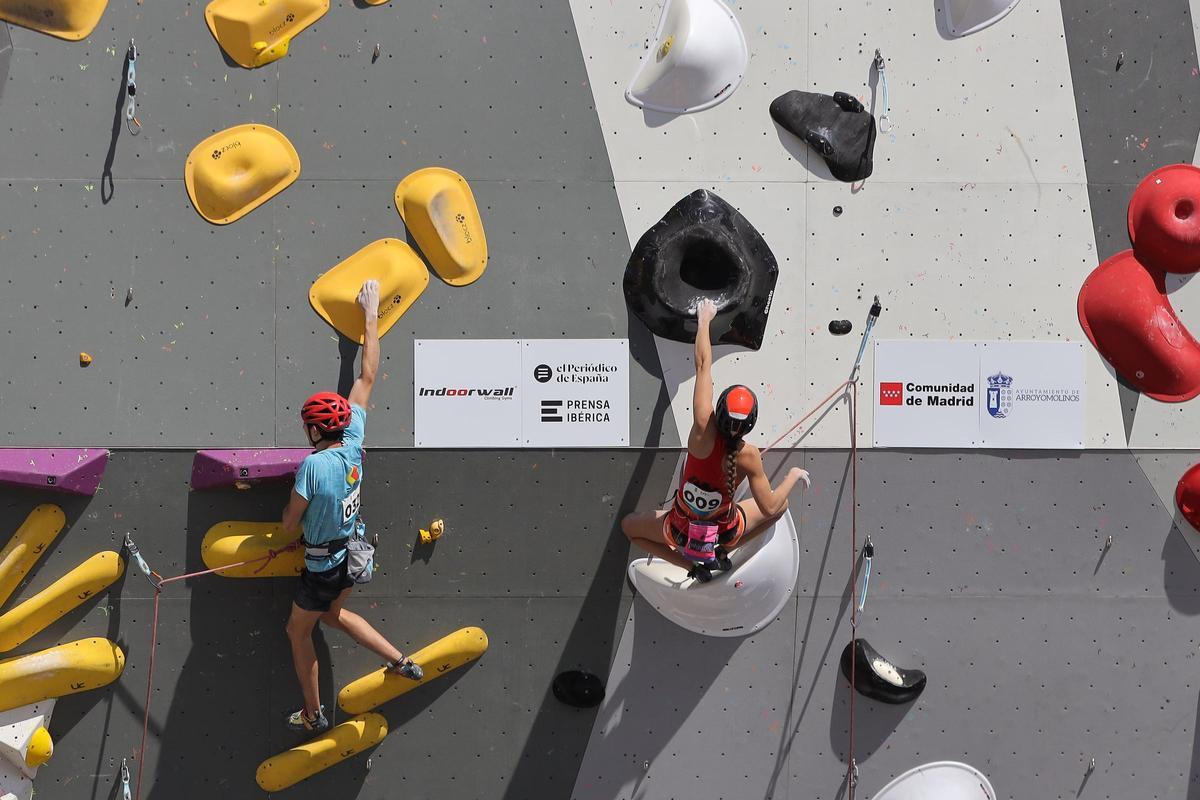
717 461
325 499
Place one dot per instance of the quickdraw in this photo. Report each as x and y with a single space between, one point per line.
885 119
125 795
131 119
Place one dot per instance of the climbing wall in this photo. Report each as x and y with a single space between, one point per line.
1000 184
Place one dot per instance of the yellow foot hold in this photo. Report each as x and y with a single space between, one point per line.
446 654
85 360
337 744
436 529
229 543
59 671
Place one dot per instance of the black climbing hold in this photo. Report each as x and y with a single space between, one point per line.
837 211
840 327
702 248
879 679
579 689
837 127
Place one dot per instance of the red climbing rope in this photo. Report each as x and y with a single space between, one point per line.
852 766
850 390
267 559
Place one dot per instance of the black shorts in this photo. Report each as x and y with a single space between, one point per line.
317 590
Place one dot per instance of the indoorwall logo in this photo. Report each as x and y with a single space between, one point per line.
498 393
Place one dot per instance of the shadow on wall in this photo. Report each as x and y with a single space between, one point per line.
559 729
236 677
1181 569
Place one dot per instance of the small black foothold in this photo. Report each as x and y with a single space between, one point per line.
579 689
840 327
837 211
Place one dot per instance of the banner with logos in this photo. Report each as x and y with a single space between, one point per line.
521 393
1000 394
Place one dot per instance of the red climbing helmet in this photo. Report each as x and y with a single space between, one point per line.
329 411
737 411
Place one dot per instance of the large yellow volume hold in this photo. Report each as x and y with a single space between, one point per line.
32 616
446 654
402 277
437 206
66 19
257 32
234 542
27 545
58 671
337 744
236 170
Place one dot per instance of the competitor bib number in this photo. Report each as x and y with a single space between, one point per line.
699 500
350 506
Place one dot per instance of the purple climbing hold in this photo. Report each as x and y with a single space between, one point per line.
72 470
212 469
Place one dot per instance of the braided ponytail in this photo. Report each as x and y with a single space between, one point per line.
732 448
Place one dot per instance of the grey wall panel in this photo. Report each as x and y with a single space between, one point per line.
558 277
551 598
495 91
64 103
189 361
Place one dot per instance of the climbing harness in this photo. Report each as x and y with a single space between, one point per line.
131 119
885 118
159 582
124 780
868 554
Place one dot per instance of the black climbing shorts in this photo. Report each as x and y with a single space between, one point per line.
316 591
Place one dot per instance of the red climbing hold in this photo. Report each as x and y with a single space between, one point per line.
1164 219
1187 496
1124 310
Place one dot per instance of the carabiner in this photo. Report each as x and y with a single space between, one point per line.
132 123
125 780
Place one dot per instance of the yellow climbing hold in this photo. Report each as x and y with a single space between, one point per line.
233 542
335 745
65 19
85 360
22 622
439 209
401 275
236 170
27 545
254 34
59 671
40 748
448 653
436 529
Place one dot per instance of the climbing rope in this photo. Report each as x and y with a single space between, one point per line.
849 390
158 582
131 120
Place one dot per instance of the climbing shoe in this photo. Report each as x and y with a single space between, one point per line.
701 573
723 562
407 668
302 723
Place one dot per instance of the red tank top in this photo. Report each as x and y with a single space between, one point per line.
703 488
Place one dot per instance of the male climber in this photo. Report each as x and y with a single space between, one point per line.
325 499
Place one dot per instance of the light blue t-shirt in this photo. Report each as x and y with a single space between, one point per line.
330 481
